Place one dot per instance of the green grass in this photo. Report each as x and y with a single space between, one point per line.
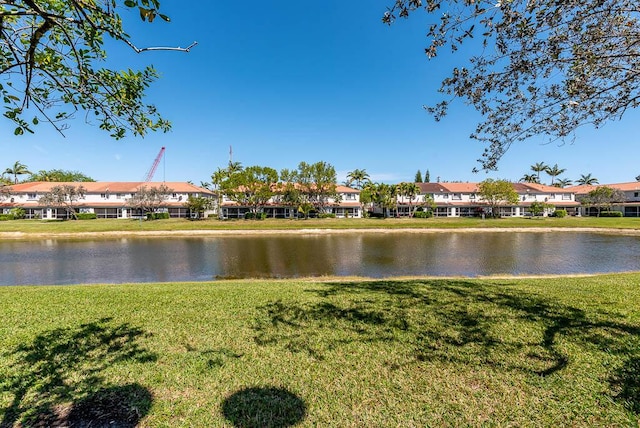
113 225
432 352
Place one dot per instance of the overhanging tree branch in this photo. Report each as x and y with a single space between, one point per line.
48 57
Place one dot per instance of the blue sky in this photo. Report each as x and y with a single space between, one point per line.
289 81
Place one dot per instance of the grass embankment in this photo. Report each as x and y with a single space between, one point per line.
114 225
441 352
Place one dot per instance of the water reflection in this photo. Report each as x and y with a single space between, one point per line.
54 261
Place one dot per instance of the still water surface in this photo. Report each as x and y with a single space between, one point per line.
59 261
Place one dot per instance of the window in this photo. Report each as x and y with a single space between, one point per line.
119 196
445 196
104 195
635 195
472 196
552 196
566 197
351 197
174 195
32 196
457 196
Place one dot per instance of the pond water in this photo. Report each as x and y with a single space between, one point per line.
60 261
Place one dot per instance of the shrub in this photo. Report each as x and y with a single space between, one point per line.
327 215
423 214
560 213
14 214
253 216
610 214
17 213
86 216
157 216
375 215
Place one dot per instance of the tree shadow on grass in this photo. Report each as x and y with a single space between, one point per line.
264 407
58 378
455 321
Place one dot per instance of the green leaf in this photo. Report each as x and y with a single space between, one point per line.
165 17
18 131
129 3
35 121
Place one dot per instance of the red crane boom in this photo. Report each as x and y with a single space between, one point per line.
149 176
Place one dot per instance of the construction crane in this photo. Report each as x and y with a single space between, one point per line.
149 176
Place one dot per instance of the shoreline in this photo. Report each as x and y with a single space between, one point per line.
311 231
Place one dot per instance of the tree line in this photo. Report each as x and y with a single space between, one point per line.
554 172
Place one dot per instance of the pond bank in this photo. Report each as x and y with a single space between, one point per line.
310 231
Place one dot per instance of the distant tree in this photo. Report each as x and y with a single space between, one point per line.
538 167
60 175
198 205
587 180
149 199
496 193
252 187
217 179
289 193
409 191
637 177
533 69
554 171
359 176
65 196
367 199
383 196
562 183
538 207
427 177
418 178
602 197
428 204
17 169
4 180
317 182
529 178
51 56
233 167
5 191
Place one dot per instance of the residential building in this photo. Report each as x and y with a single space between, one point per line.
347 204
630 207
106 199
463 199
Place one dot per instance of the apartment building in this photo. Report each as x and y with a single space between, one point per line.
105 199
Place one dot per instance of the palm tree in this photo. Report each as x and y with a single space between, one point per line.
554 171
539 167
409 191
360 176
218 177
233 167
587 179
529 178
563 182
18 169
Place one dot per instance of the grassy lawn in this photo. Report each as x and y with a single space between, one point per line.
109 225
442 352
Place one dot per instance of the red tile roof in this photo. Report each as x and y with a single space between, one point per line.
583 189
109 186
